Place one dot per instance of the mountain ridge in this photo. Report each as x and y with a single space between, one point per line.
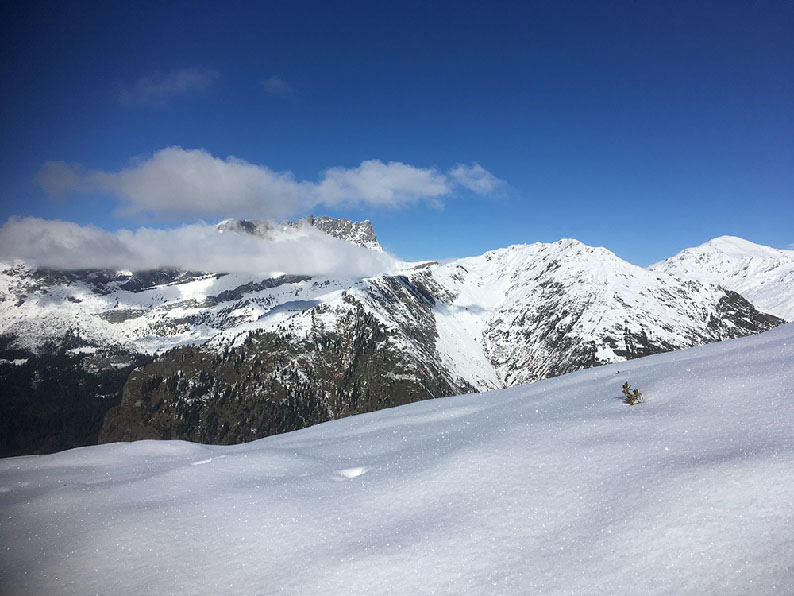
764 275
348 345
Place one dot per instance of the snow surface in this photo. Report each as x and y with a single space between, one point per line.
552 488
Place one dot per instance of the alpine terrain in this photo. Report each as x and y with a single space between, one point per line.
764 275
97 356
552 488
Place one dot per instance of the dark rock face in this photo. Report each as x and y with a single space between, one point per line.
549 332
638 345
554 346
737 316
57 398
143 280
277 382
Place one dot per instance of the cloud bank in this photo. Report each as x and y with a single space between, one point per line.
158 89
177 183
198 247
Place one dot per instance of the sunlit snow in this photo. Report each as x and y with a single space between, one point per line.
552 488
763 275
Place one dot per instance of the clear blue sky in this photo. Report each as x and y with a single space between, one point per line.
645 127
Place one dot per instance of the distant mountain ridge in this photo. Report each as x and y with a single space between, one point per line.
763 275
224 358
554 308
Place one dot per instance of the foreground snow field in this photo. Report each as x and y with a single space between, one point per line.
551 488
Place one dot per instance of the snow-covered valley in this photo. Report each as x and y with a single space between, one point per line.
557 487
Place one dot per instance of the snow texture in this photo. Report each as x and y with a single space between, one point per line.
551 488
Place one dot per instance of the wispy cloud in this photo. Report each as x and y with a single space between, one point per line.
176 184
476 178
58 177
197 247
277 86
157 89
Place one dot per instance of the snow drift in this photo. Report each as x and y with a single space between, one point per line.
552 488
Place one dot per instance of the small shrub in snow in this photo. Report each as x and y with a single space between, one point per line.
633 396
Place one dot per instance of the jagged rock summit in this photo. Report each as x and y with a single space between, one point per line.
359 233
224 358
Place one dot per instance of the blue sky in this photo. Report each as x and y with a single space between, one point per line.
645 127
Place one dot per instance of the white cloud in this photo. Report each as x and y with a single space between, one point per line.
476 178
177 183
276 86
378 183
158 89
197 247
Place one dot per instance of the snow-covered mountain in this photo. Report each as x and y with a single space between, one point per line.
283 352
541 310
763 275
551 488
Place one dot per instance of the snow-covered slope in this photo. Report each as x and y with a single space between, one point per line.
540 310
551 488
343 346
763 275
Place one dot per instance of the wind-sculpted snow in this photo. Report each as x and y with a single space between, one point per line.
553 488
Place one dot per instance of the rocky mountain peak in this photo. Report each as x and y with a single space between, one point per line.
359 233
